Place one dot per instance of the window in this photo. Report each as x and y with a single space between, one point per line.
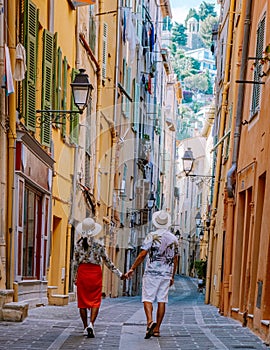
74 121
104 51
27 88
256 93
92 29
199 200
47 75
31 234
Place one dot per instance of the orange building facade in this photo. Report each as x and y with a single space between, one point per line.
239 251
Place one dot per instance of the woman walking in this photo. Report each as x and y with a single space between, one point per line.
89 255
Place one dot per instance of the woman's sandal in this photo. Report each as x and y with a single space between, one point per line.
156 334
150 330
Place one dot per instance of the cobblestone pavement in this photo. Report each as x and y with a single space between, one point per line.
188 324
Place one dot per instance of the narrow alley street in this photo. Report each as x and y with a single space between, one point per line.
188 324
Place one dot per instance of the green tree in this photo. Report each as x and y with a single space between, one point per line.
184 66
192 13
201 268
206 30
196 83
206 9
179 37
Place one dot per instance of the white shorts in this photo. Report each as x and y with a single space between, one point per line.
155 288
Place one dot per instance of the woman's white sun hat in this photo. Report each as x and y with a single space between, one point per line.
161 219
88 227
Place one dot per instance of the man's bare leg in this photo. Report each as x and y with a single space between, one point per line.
160 315
148 309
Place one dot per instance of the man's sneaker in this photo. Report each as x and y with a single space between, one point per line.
85 332
90 331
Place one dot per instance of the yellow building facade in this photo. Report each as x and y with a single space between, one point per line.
44 197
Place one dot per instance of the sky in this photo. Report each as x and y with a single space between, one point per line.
180 8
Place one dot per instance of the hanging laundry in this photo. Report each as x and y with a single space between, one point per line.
131 35
8 73
20 63
124 25
143 79
149 88
145 38
152 37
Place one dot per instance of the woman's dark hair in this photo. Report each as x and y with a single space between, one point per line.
85 243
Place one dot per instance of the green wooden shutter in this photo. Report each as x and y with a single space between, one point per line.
74 120
56 99
123 193
92 28
30 42
256 93
104 50
58 82
64 96
123 105
136 105
47 73
128 89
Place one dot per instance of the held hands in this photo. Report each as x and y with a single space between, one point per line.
129 274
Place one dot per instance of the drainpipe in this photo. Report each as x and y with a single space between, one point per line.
98 102
241 90
11 10
3 157
226 85
115 147
74 181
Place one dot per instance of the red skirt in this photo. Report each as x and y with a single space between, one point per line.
89 286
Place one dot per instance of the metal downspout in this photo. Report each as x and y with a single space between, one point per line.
3 157
226 85
114 149
74 181
241 90
11 10
114 152
98 103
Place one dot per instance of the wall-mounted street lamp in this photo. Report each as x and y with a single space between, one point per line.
141 216
202 226
188 161
81 91
151 201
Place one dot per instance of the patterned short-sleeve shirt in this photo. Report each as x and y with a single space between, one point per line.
162 247
94 254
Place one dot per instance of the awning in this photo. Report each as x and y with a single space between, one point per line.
78 3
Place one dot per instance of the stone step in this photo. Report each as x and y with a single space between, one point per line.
15 311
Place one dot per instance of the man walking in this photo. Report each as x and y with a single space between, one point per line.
161 249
